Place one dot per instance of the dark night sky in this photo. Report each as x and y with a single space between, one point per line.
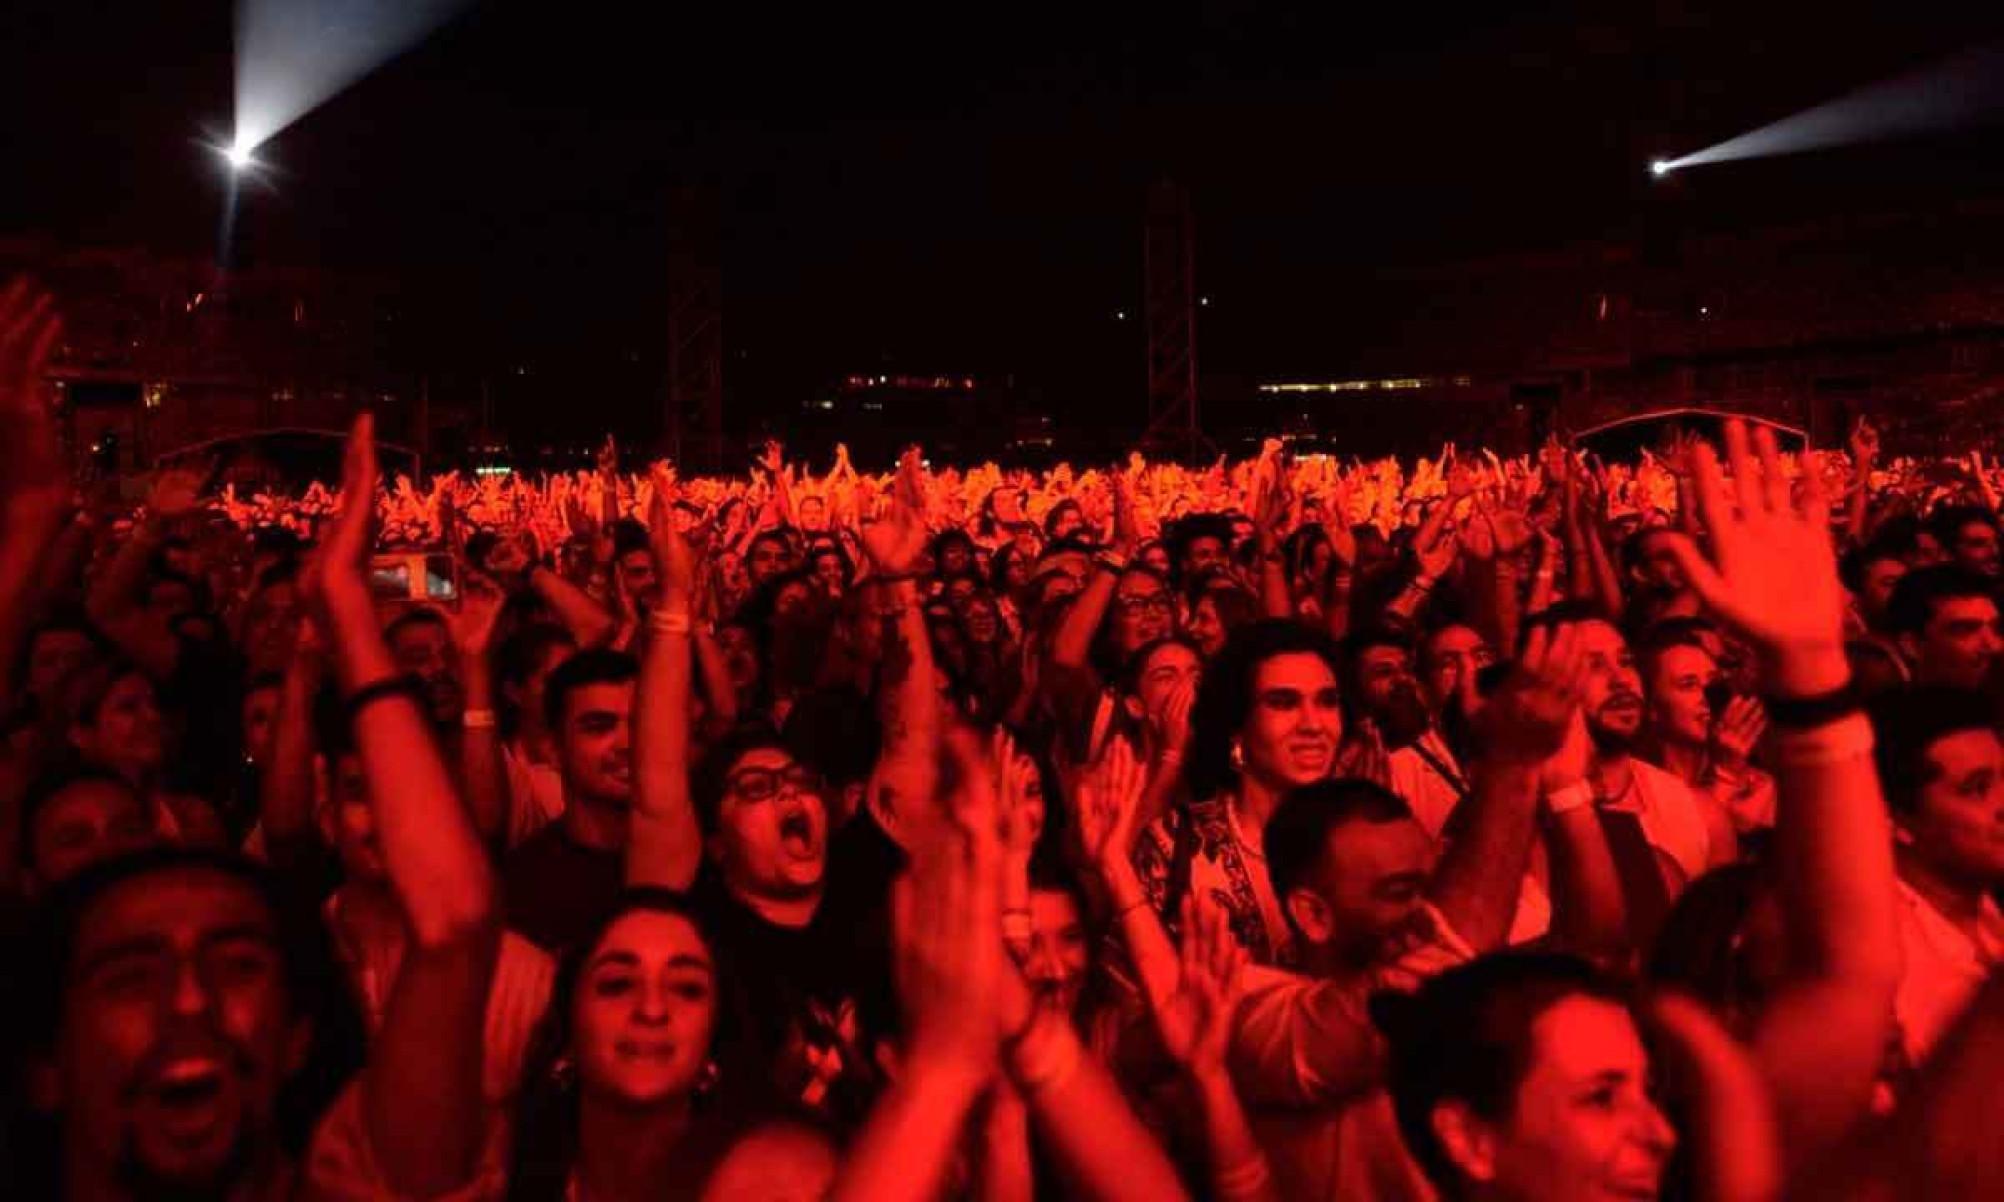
915 185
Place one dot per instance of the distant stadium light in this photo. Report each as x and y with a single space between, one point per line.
238 156
1659 167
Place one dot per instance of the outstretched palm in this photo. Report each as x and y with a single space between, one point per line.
1772 571
1195 1021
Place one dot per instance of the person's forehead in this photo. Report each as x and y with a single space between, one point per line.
615 696
1964 608
177 906
1966 750
1364 851
770 758
1384 654
1053 908
1681 659
1139 584
653 937
1296 669
1581 1037
1171 657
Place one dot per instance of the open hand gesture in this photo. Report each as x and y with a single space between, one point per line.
1195 1022
1771 573
1531 715
1106 802
480 604
339 569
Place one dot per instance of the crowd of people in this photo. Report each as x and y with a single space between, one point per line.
1478 828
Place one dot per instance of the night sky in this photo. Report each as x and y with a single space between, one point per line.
915 186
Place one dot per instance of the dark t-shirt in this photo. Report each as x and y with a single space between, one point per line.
557 891
805 1004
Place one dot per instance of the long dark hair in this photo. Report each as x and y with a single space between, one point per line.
547 1111
1225 698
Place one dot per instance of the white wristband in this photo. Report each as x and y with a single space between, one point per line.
1567 798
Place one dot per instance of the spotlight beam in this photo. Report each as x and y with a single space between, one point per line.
292 56
1965 89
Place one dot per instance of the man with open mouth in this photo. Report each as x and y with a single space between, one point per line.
173 1016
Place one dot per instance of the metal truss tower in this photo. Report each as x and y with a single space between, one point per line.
1170 312
694 418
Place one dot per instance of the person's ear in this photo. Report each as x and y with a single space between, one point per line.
1468 1141
1311 915
1134 709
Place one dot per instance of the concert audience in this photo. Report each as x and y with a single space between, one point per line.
1478 828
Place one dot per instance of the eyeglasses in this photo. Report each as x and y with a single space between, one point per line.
1138 603
762 784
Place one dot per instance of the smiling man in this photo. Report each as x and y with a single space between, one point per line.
561 881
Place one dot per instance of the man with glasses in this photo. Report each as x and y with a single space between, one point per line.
762 886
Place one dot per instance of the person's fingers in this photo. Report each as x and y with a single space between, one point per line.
1711 586
1774 481
1535 645
1740 460
1815 497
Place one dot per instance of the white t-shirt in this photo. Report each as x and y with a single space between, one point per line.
1944 969
1671 816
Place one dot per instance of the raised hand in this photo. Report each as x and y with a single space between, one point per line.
31 465
347 540
671 548
1106 798
1018 820
608 458
896 542
1864 442
1195 1022
1126 530
1437 556
947 922
472 624
1530 717
1772 572
1737 731
772 458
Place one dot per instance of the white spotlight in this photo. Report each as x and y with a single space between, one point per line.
238 156
1659 167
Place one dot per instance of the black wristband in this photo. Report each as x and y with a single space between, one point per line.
377 690
1821 709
